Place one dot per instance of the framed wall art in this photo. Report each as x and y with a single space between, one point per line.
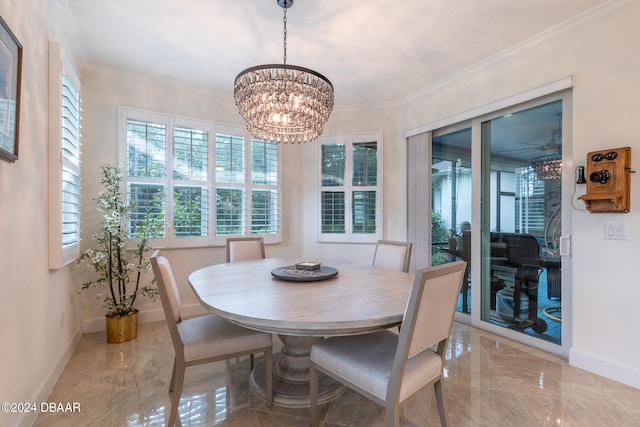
10 76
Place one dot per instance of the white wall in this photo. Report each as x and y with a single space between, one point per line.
39 315
602 56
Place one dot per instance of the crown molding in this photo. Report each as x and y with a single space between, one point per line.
102 71
575 25
547 89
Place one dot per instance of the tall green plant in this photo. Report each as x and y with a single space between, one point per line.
439 234
119 271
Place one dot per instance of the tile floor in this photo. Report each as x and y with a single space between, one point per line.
490 381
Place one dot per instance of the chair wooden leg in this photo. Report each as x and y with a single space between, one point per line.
173 376
313 394
393 414
268 372
177 393
440 400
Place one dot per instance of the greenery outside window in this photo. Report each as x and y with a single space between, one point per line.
176 166
350 196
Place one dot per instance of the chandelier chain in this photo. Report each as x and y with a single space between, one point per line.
284 34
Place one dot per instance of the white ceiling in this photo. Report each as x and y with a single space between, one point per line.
373 51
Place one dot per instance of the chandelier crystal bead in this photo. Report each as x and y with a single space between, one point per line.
283 103
548 166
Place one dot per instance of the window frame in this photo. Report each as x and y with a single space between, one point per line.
60 164
212 185
349 140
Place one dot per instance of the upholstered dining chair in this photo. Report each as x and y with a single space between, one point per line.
203 339
244 248
389 368
393 255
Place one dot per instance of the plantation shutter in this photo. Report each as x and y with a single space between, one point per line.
190 191
70 142
64 160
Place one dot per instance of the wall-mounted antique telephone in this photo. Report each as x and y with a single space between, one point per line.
609 183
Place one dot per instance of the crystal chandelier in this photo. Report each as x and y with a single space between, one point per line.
548 166
283 103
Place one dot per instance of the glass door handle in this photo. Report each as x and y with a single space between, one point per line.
565 246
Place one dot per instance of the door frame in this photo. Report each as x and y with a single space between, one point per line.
422 137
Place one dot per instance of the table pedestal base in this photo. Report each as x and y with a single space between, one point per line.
291 376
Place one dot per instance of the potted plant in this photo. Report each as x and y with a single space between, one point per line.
119 270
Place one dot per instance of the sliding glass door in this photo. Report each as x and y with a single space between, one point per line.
495 195
520 236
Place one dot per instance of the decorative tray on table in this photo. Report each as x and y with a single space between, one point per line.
306 271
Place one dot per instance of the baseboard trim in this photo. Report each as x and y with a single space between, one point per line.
622 374
148 316
50 382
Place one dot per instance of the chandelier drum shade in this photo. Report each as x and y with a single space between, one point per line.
283 103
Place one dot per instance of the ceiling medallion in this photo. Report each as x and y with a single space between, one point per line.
283 103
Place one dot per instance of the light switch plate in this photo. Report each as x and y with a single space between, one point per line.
615 232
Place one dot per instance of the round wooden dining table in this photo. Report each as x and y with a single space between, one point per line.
360 298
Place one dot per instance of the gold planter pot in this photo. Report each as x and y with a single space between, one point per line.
122 328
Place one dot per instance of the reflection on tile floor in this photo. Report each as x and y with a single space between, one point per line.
490 381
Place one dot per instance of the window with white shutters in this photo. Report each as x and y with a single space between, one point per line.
64 161
350 188
205 181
